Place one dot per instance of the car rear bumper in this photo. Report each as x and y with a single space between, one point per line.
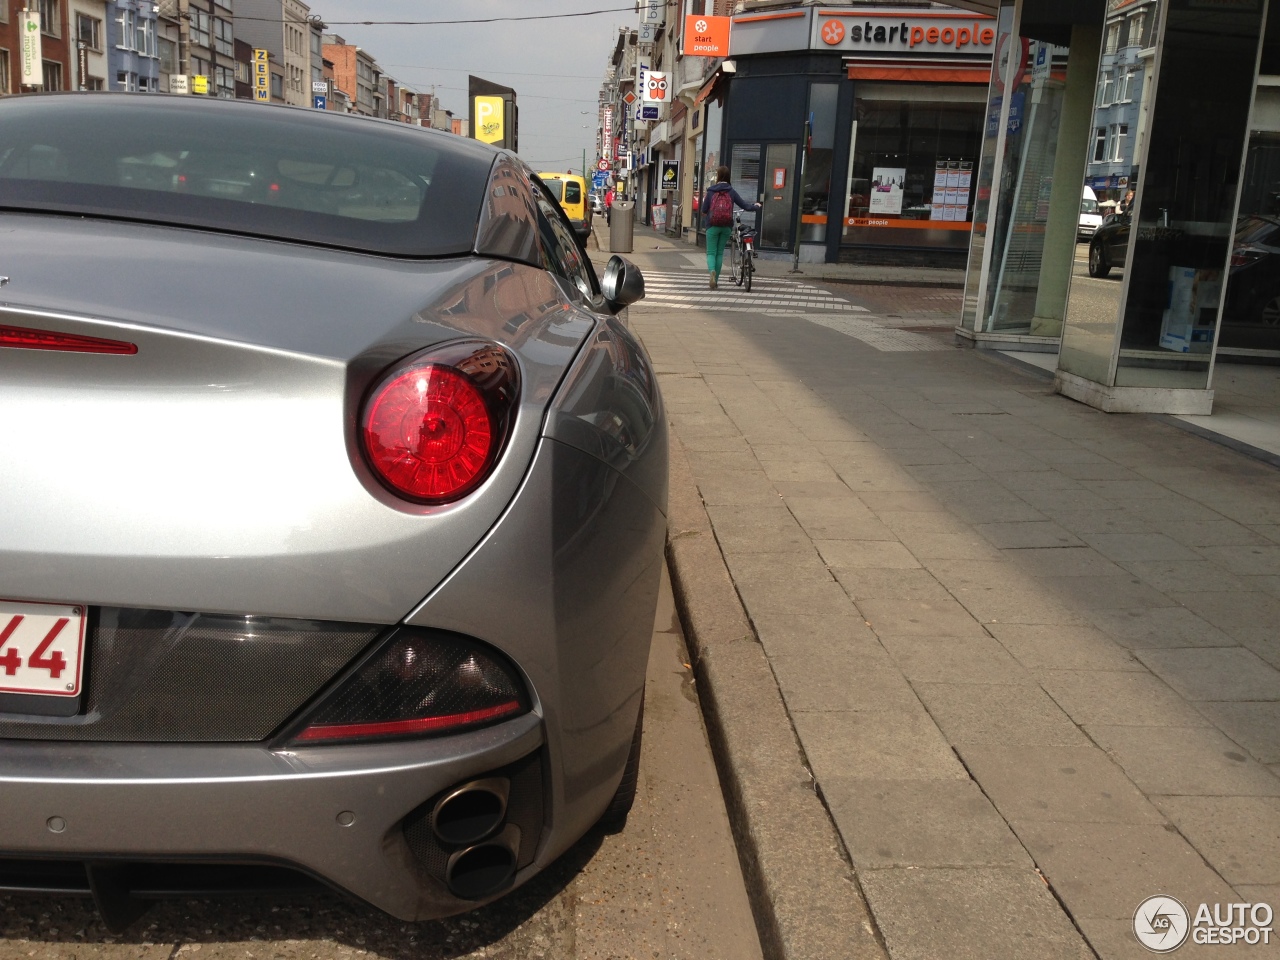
336 813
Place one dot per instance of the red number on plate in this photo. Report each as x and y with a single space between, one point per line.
55 664
11 660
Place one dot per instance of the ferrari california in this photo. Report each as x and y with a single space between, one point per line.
334 496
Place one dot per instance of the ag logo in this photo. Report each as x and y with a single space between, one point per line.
1161 924
832 32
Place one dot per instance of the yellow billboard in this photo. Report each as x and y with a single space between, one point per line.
486 116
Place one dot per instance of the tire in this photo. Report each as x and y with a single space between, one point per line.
1099 265
748 269
615 815
1269 310
735 263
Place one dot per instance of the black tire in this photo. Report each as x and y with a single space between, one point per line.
1099 265
748 269
615 815
735 263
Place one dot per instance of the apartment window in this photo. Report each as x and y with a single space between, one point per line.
1117 134
1100 145
126 81
4 13
128 24
200 27
1124 92
93 83
50 20
1136 24
225 41
226 83
4 71
168 52
89 31
1108 95
52 76
277 86
242 71
1113 38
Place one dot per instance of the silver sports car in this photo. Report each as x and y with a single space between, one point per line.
332 501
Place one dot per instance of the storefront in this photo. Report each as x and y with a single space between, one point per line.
859 129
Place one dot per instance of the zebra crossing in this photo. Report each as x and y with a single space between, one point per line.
778 297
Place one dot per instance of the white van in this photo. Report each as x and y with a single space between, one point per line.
1090 215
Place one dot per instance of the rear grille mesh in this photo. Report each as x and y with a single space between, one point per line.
163 676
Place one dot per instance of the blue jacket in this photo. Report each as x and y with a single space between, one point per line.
705 207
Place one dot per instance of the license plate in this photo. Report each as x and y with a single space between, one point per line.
41 648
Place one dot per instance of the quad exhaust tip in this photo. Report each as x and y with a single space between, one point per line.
471 811
484 869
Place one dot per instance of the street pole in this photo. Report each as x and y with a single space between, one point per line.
584 163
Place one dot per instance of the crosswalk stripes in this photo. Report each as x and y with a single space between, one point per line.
777 297
686 292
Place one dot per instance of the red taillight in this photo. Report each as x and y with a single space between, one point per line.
27 339
432 430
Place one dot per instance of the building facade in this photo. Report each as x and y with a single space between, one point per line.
282 28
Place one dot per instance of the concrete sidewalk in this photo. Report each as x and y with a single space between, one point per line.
1019 655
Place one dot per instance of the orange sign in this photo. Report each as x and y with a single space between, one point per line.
706 36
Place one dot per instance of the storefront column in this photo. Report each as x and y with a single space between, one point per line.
1144 343
1068 169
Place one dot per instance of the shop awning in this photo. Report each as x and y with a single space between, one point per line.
916 72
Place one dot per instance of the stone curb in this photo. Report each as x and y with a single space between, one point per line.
804 893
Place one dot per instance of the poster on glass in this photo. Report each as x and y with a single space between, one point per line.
886 190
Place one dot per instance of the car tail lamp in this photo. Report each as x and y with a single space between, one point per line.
433 427
28 339
1245 255
419 683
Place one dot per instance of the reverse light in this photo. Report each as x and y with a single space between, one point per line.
433 428
25 338
420 683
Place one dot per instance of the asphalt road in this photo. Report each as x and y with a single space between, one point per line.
668 886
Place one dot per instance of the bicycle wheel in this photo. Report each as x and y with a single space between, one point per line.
748 268
734 256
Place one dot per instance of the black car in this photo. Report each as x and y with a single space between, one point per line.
1253 290
1110 245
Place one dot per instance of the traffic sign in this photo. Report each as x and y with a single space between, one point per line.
319 87
602 165
320 103
628 98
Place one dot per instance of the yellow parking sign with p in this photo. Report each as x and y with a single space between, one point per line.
487 114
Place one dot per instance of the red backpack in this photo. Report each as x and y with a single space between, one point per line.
720 213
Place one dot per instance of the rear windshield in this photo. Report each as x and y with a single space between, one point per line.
243 167
572 191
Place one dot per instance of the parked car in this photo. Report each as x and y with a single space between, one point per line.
334 499
1253 288
1090 215
1110 245
570 192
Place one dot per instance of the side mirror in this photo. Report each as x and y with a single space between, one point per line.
622 283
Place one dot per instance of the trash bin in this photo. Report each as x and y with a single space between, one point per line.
622 226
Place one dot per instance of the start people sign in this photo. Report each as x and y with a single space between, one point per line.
706 36
883 33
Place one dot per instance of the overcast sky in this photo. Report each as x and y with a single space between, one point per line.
555 66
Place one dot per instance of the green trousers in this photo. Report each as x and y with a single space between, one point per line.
717 237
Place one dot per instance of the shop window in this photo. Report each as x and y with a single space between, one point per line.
93 83
817 172
4 72
910 175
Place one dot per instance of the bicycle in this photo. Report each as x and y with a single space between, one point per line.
742 244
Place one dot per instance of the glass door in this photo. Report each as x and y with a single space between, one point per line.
779 193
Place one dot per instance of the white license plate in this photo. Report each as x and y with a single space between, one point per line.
41 648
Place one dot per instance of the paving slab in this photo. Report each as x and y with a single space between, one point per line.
901 744
1077 784
1236 835
1063 647
976 659
920 823
1008 714
1214 673
1118 698
970 914
1188 761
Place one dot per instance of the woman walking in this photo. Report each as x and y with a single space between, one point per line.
717 204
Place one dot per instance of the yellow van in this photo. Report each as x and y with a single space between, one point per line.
571 191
